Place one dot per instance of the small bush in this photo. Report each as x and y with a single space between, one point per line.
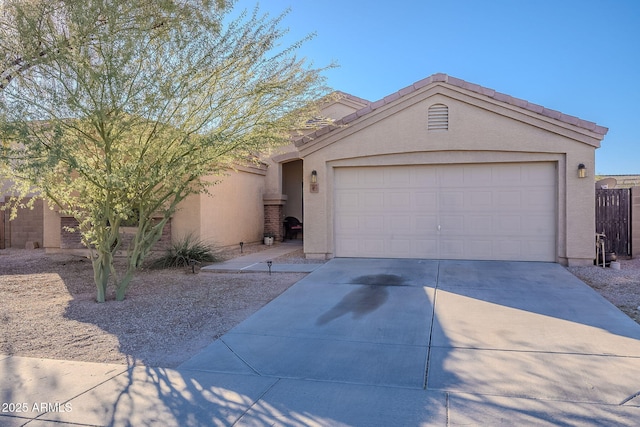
181 252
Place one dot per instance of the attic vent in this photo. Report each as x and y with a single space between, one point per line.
438 117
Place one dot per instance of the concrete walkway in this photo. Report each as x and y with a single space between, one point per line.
257 261
374 343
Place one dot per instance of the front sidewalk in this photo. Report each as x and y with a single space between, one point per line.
258 261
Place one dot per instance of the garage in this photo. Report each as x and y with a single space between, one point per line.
489 211
447 169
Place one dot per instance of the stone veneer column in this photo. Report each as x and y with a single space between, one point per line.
274 214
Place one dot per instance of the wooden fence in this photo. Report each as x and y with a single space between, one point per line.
613 218
2 227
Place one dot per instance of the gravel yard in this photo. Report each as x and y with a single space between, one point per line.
620 287
48 308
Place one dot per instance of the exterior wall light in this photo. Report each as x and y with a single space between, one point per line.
314 186
582 170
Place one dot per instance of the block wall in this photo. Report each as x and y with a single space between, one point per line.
69 239
73 240
26 227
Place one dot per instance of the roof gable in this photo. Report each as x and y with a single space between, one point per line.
444 79
334 107
340 104
351 99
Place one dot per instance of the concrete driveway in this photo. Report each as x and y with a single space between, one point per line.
364 342
419 342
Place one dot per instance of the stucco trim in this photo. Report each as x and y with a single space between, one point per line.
259 169
286 157
274 199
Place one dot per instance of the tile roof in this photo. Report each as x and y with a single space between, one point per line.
319 122
352 97
444 78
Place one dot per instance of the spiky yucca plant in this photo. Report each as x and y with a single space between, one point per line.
189 248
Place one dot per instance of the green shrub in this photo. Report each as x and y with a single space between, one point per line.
184 250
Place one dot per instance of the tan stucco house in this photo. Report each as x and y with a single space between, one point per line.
442 169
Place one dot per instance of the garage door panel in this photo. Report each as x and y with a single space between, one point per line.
401 223
347 223
451 176
479 225
376 246
397 177
508 199
479 201
426 201
538 226
451 225
451 200
369 178
507 225
371 224
373 247
426 224
507 249
538 250
475 176
372 201
508 176
398 201
426 248
347 246
536 201
401 247
477 249
349 178
348 200
538 173
451 248
425 178
481 211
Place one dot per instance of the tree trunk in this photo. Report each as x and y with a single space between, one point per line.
146 236
123 285
103 267
101 270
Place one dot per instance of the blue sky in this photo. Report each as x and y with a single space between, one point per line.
581 57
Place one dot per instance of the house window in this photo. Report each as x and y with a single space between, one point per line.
438 117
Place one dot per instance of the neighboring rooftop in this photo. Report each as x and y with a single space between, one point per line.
622 181
352 97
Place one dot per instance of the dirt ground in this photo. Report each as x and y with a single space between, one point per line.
48 308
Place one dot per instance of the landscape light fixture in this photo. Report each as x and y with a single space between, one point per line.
582 170
241 245
269 265
192 264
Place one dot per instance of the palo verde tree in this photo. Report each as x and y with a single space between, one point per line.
116 110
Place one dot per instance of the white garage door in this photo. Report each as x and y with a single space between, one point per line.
478 211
